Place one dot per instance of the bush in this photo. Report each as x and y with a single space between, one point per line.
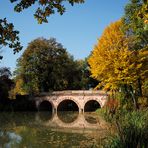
132 130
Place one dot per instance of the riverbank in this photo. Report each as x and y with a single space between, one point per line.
131 128
21 103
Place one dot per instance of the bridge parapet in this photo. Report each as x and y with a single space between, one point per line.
73 92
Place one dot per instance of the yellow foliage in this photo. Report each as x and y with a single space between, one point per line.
113 63
17 89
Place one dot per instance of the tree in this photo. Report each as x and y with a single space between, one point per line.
135 26
85 81
17 89
5 83
143 14
135 19
115 64
45 7
45 65
9 36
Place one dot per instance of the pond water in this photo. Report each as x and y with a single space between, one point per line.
46 130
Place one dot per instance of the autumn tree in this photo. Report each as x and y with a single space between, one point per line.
118 67
46 65
17 88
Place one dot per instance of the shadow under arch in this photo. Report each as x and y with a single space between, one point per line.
67 105
45 109
91 106
45 106
67 111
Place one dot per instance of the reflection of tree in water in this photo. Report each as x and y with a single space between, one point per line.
37 135
44 137
3 138
7 139
68 116
13 119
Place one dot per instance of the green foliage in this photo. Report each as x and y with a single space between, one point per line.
134 25
9 36
5 83
45 7
131 125
45 65
42 65
143 102
85 81
132 129
143 13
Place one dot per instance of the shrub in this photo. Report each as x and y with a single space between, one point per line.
132 130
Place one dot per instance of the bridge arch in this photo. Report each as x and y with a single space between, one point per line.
45 105
91 105
68 104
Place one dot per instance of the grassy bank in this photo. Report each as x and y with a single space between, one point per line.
132 128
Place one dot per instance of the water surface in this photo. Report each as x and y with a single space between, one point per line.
45 130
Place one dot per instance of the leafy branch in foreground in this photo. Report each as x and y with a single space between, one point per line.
45 7
9 36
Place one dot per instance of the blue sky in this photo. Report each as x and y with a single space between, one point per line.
78 29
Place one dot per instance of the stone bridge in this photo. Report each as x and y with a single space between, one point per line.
81 101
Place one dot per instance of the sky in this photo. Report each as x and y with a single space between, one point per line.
77 29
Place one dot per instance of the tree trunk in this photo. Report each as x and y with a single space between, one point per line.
139 88
133 97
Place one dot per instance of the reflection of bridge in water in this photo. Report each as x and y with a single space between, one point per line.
70 120
69 110
81 101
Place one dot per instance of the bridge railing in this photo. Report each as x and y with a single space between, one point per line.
74 92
